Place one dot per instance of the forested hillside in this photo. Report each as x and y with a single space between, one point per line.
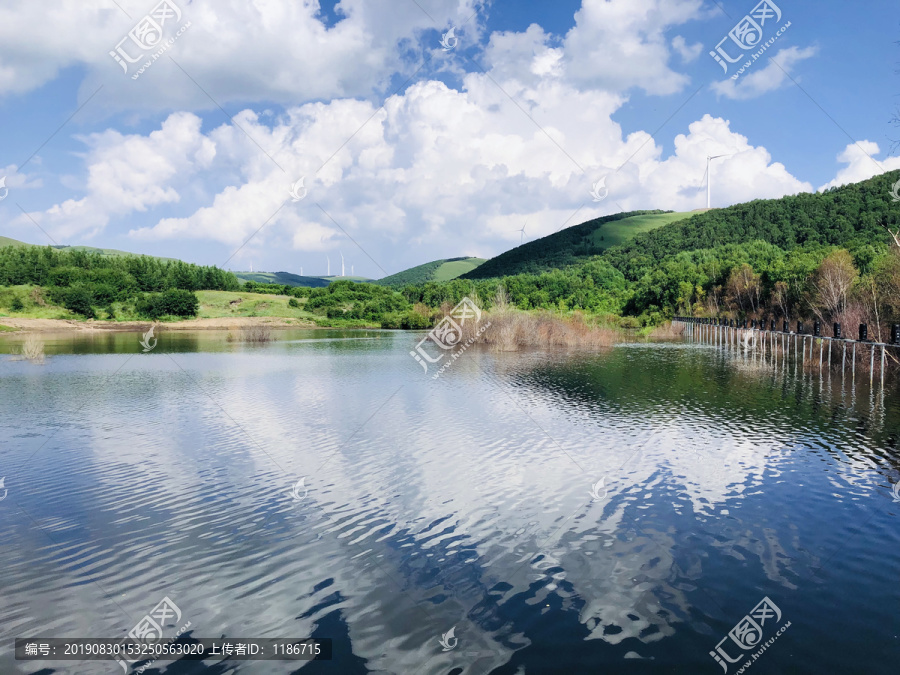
847 216
87 282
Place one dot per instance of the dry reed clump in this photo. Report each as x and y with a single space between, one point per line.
507 329
667 330
33 349
256 334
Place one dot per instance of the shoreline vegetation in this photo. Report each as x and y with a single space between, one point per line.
22 326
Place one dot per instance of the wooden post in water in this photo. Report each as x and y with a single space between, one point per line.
829 355
872 365
774 351
882 366
853 371
844 362
821 352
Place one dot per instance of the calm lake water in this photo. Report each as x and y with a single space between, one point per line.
618 511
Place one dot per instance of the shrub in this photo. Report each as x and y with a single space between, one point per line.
179 302
293 302
149 306
77 298
392 320
175 302
416 321
410 320
16 305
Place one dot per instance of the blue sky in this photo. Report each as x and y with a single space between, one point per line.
532 105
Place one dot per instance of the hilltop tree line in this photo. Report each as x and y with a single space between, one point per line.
86 282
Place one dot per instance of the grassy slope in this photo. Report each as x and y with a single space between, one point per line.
573 244
436 270
32 310
620 231
452 269
217 304
6 241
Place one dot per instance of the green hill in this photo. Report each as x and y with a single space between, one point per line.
6 241
574 244
437 270
849 216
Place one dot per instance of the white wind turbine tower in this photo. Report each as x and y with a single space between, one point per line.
352 273
342 264
522 231
709 178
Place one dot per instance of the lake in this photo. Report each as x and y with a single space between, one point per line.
641 509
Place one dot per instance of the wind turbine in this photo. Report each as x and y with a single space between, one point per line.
342 264
522 231
710 158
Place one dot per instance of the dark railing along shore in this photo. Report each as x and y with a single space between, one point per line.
734 331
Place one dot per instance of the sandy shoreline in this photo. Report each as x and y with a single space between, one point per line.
72 326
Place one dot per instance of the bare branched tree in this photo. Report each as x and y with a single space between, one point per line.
713 300
832 283
781 298
745 288
894 235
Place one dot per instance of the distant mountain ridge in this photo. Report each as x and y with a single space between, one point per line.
283 278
